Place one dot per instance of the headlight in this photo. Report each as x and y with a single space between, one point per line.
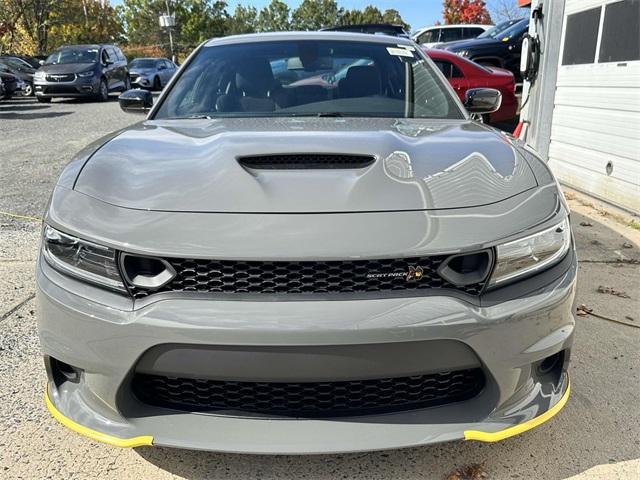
88 74
531 254
39 75
79 258
463 53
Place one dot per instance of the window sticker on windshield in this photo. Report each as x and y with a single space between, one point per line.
399 52
407 47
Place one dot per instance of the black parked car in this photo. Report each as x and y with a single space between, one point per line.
20 70
372 28
33 62
82 71
502 51
10 84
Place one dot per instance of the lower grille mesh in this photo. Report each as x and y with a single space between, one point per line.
313 399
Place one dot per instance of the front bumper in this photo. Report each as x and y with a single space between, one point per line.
107 339
80 87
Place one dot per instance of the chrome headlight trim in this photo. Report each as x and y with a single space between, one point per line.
531 254
81 259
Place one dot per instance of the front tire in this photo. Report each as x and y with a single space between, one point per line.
127 84
28 90
156 84
103 91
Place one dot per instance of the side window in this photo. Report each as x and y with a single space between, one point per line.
111 54
621 32
430 36
470 32
451 34
104 56
580 37
448 69
120 55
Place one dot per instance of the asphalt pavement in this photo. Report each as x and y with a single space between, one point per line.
597 435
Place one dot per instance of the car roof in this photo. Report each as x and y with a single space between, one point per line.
320 35
484 26
86 45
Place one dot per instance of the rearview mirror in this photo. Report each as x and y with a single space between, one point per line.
482 100
136 101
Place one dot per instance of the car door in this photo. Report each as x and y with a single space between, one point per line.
117 77
454 75
107 67
163 70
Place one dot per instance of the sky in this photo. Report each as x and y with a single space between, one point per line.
417 13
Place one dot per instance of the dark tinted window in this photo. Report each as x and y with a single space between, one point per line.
581 35
309 78
111 54
621 32
448 69
451 34
430 36
120 55
472 32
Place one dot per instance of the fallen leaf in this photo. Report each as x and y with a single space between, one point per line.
612 291
586 224
629 317
583 310
475 471
627 245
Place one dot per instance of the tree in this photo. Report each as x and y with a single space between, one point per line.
25 25
465 11
506 10
196 20
275 17
393 17
84 21
315 14
244 20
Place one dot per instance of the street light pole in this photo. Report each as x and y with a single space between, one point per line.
170 22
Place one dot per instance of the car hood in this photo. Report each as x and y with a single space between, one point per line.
473 43
192 166
141 71
67 67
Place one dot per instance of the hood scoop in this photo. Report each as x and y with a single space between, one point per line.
306 161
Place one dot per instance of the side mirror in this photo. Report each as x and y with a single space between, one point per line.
482 100
136 101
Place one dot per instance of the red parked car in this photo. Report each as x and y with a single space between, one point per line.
464 74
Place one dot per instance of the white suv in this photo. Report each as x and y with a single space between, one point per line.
430 36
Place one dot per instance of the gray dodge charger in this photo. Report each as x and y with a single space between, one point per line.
307 246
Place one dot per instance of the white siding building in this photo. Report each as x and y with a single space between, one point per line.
583 111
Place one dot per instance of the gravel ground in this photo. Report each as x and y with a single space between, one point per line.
596 436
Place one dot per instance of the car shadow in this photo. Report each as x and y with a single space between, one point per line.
21 106
31 116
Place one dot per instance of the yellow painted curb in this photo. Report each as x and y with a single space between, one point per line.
141 441
517 429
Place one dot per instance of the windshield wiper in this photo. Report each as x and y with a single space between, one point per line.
195 116
329 114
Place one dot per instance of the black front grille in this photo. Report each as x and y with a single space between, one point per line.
308 277
60 89
62 77
306 161
313 399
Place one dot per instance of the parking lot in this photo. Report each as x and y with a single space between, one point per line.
597 435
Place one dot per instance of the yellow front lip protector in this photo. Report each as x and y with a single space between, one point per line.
145 440
523 427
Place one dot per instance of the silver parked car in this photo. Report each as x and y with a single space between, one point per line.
151 73
278 260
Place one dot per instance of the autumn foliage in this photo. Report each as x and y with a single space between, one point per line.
465 11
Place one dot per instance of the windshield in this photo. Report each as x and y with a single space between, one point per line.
73 55
309 78
496 29
514 30
14 64
143 63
